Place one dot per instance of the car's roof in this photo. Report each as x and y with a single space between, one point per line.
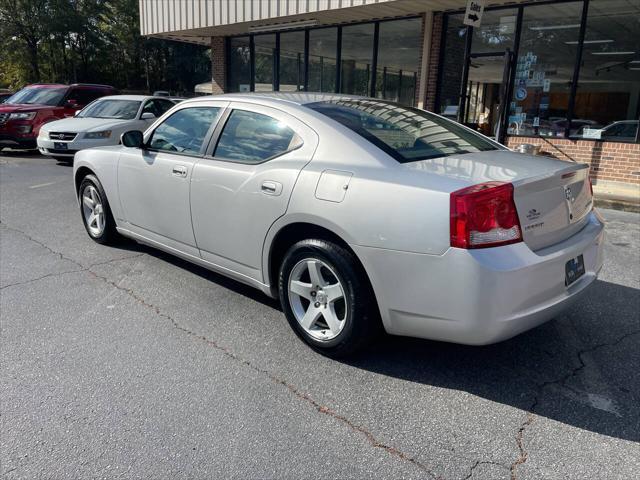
298 98
137 98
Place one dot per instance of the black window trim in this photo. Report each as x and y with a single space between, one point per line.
205 141
217 134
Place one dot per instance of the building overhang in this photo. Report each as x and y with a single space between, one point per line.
197 22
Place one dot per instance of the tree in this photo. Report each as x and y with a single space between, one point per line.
26 20
94 41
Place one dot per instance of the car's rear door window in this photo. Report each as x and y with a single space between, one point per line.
184 131
405 133
252 137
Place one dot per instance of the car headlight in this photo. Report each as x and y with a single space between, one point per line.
22 116
94 135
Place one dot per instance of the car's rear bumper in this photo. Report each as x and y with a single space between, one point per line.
482 296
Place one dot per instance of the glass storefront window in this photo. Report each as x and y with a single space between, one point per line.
323 51
265 47
399 44
356 59
496 33
291 61
451 68
544 69
239 65
608 98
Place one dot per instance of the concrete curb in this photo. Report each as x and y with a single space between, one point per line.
617 196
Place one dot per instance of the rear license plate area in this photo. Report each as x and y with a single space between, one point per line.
573 270
59 145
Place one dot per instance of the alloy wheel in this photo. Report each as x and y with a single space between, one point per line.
317 299
93 210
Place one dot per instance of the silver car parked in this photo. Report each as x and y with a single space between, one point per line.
359 214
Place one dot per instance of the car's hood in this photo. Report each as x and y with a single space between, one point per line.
23 107
84 124
491 166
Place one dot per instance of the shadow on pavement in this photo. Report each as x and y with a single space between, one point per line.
582 370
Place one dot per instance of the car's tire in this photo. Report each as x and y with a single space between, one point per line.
342 324
95 211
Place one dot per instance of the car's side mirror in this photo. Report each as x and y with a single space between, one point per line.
75 114
148 116
132 139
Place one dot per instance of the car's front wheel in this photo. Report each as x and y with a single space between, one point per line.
327 298
96 214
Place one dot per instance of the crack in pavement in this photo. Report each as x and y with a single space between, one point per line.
62 257
483 462
56 274
369 436
562 381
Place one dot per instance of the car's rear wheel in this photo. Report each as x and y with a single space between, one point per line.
327 298
96 214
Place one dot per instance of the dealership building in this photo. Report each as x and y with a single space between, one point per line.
560 75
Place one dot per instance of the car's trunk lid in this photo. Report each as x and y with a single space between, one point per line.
553 197
554 207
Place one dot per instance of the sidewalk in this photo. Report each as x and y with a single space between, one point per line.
616 195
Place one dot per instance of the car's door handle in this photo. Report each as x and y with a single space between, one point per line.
180 171
271 188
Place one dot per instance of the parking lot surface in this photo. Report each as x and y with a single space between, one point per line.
127 362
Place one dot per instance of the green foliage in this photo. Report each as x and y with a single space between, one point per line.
96 41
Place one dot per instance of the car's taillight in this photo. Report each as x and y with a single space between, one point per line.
483 216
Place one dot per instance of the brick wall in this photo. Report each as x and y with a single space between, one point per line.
610 161
434 57
218 65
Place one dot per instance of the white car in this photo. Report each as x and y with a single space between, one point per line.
99 124
359 214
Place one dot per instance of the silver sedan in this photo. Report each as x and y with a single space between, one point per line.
360 215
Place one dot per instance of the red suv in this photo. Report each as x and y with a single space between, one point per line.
22 115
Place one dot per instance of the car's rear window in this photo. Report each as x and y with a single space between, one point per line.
405 133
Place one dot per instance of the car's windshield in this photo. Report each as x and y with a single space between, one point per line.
407 134
39 96
110 108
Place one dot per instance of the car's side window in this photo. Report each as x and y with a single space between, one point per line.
251 137
184 131
162 106
84 96
157 107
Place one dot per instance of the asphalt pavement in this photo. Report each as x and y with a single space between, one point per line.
129 363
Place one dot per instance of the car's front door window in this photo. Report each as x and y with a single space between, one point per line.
184 131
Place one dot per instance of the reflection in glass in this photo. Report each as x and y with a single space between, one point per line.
398 60
451 68
239 64
265 48
291 61
544 71
608 97
356 59
323 50
496 33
